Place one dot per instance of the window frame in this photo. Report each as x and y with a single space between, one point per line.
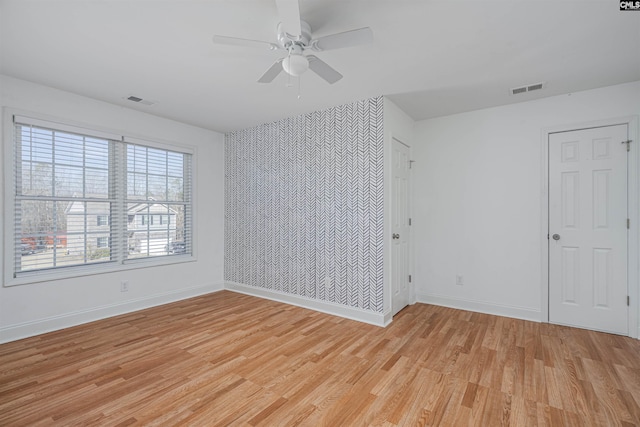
44 275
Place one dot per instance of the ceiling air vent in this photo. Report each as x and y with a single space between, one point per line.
527 88
139 100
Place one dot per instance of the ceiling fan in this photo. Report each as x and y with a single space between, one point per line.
293 35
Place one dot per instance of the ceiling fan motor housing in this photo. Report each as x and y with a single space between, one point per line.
286 40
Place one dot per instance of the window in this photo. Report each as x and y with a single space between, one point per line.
77 192
158 189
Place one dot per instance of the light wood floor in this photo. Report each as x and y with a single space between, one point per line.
231 359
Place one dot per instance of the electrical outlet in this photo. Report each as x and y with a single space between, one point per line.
124 286
459 280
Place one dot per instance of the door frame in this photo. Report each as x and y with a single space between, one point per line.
633 203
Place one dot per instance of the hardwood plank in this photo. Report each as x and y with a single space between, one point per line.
232 359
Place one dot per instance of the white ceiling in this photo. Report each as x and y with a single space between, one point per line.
431 57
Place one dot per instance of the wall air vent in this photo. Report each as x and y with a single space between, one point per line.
139 100
525 89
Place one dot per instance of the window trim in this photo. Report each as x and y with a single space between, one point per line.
9 200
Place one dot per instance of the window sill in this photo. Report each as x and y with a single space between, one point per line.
96 269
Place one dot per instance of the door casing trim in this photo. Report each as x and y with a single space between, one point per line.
633 203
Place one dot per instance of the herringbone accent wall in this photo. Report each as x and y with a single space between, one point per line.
304 205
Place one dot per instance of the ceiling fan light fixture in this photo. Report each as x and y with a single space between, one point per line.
295 65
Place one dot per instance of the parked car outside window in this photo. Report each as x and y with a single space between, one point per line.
177 248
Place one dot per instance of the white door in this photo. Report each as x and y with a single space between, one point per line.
588 229
400 227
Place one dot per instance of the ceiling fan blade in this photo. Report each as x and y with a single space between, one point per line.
235 41
323 69
289 13
272 72
346 39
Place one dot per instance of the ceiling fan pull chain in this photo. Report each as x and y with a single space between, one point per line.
299 95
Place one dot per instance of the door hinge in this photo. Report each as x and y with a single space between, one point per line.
628 142
628 223
547 237
409 221
628 300
409 278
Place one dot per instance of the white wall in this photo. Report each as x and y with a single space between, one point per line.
35 308
477 198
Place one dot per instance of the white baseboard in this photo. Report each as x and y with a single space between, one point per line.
388 318
480 306
365 316
54 323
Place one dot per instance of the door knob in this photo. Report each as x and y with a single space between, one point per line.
395 236
556 237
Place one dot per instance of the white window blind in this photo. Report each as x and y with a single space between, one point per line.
80 197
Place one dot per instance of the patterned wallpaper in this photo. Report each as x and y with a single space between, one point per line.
304 205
